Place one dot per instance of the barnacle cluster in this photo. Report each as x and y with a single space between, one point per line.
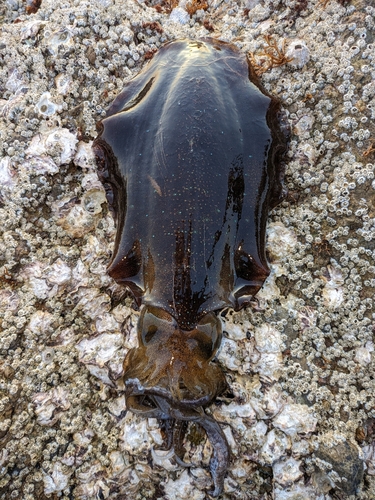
300 362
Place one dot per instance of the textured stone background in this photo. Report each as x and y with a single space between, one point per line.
299 415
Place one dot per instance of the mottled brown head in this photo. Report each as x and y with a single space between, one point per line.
173 362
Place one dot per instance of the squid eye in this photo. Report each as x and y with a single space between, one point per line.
155 324
208 334
149 333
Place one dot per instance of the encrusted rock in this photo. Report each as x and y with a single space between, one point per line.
345 459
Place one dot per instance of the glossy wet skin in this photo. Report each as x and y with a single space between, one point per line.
189 155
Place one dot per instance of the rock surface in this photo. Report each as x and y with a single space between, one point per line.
300 362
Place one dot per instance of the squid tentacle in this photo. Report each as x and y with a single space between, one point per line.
138 408
135 388
219 462
177 418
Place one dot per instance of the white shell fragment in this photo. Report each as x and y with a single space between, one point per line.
309 152
333 293
30 29
363 354
268 342
234 410
77 222
103 355
6 174
59 40
297 492
9 300
40 322
135 434
59 143
84 156
266 402
308 317
286 472
267 339
93 200
269 365
57 480
106 323
300 448
256 437
275 447
45 106
118 462
297 53
40 165
250 4
93 483
369 457
117 406
303 126
232 361
63 83
90 181
281 241
15 81
47 282
92 303
259 13
49 406
58 273
295 419
179 15
182 488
